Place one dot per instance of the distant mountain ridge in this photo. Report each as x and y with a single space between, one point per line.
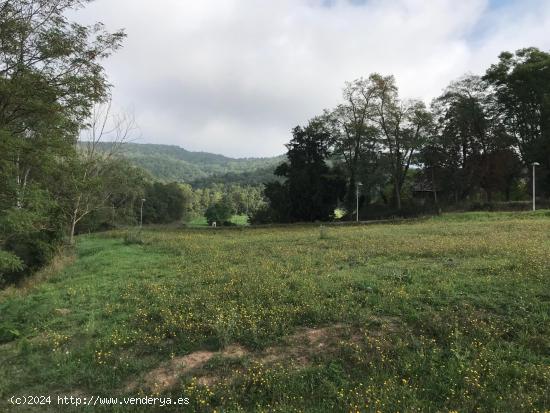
172 163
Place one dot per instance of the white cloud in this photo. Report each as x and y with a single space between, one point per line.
234 76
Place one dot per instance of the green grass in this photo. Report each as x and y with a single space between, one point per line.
447 314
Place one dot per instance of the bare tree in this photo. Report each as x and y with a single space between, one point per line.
100 144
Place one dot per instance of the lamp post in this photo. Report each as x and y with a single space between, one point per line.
534 165
141 214
357 198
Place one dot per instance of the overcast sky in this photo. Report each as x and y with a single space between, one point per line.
235 76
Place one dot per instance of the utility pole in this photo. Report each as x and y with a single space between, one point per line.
141 214
534 165
357 198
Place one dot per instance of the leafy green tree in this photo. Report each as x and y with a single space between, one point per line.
461 136
521 84
164 203
355 135
220 212
469 149
404 127
311 189
50 77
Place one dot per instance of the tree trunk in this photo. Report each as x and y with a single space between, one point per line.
352 193
398 195
433 187
71 234
74 220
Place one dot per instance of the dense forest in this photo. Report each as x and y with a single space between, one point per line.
67 167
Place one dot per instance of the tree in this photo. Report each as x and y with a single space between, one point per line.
126 185
50 77
164 203
498 171
220 212
521 84
355 136
311 189
86 174
460 136
404 127
468 141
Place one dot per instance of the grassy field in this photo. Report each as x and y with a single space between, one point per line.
447 314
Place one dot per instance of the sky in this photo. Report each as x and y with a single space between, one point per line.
235 76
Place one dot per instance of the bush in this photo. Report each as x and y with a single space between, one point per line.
25 254
8 333
9 264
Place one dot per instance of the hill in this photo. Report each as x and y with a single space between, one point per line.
172 163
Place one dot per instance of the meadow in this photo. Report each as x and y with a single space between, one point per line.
447 314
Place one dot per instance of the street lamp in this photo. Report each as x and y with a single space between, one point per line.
534 165
141 214
357 198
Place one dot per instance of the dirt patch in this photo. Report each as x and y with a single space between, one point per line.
298 350
385 324
234 351
62 311
166 376
318 337
209 381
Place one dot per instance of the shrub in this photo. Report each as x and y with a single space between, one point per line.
8 333
25 254
9 263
